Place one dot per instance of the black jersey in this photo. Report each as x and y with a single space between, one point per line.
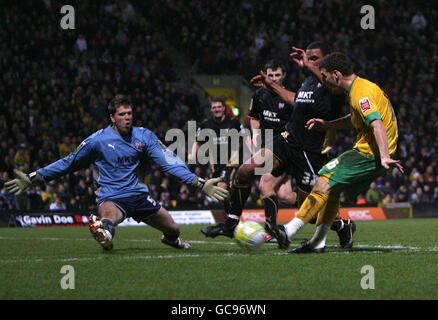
221 141
312 100
272 112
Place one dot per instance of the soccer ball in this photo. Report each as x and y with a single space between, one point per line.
249 235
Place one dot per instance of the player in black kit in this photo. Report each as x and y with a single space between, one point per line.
268 111
221 124
296 150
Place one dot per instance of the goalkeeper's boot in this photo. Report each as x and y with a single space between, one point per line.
222 229
346 234
278 232
178 243
306 248
101 235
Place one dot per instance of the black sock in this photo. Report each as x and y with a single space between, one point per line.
337 225
171 236
108 225
238 197
227 206
271 209
231 223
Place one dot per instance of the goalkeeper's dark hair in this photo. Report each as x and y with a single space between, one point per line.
117 101
321 45
337 61
274 64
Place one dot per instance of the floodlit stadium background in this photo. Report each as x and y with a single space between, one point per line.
171 55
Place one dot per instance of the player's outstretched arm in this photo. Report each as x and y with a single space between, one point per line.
337 124
81 158
22 182
300 58
263 81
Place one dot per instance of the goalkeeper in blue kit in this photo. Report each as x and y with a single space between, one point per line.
118 153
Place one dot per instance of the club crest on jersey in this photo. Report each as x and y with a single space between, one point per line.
280 105
137 145
365 104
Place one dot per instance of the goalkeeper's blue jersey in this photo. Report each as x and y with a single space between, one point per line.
119 163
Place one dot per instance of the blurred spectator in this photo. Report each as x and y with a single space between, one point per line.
63 194
3 206
80 189
435 195
81 43
35 202
66 147
199 200
418 21
88 199
402 194
386 200
374 194
57 204
48 196
165 200
9 198
183 198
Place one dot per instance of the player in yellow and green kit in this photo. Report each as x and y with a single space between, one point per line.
373 118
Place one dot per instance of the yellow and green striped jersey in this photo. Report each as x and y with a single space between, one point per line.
367 103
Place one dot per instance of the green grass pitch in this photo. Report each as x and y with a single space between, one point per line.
403 254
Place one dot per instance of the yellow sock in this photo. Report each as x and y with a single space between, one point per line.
312 205
328 215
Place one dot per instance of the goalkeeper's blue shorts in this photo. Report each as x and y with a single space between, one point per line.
137 207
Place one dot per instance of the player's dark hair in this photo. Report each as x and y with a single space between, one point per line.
321 45
274 64
117 101
217 99
337 61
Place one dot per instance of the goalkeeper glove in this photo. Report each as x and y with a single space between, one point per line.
22 182
209 187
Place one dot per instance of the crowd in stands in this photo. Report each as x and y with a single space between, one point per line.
56 83
400 55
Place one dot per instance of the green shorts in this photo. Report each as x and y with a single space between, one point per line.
352 172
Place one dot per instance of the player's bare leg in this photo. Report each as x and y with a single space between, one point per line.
102 227
164 222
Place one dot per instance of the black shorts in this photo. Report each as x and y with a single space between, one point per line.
223 171
302 165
